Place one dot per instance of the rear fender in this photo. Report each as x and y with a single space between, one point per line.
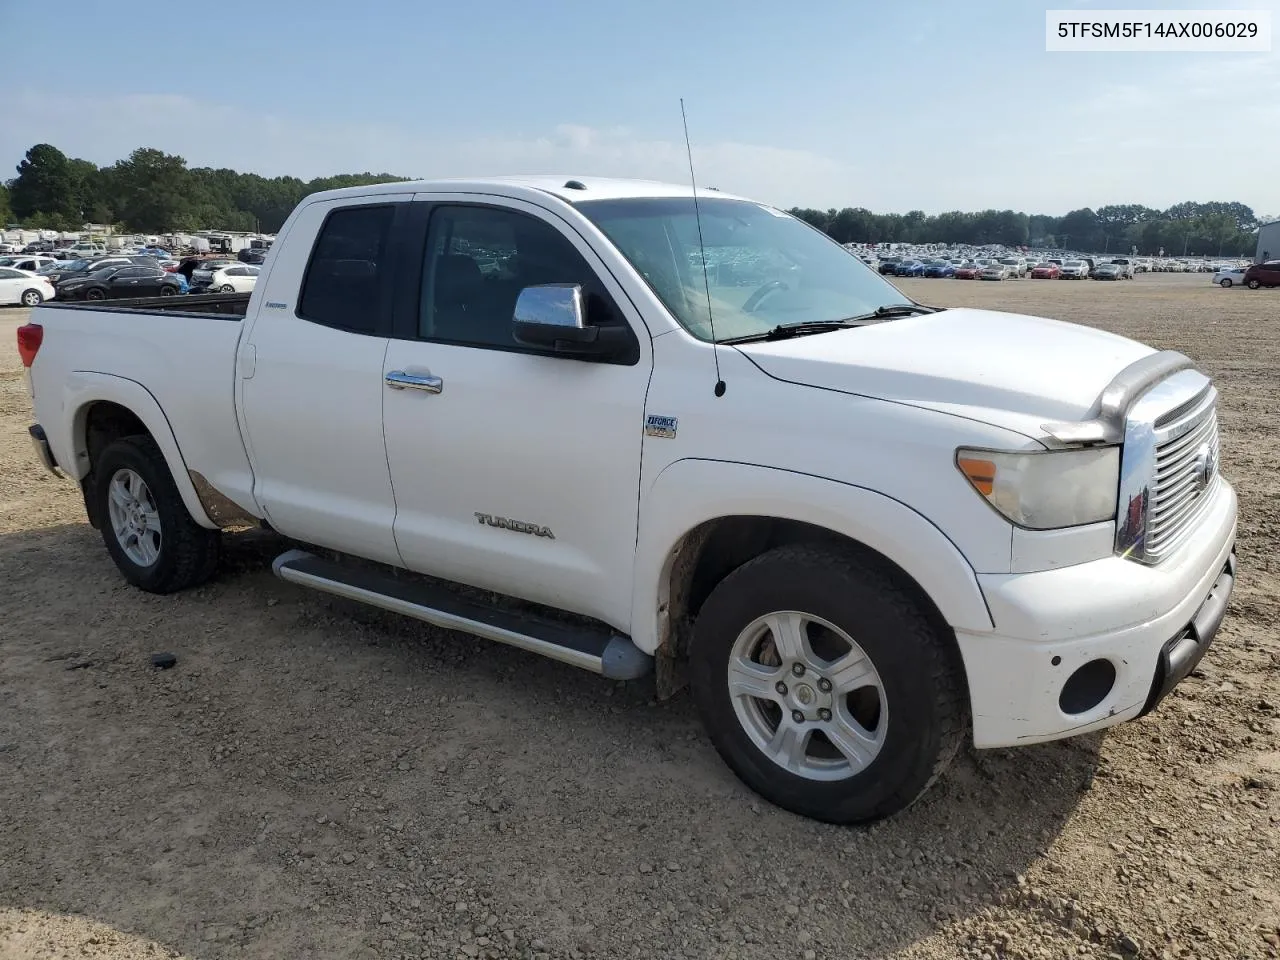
689 493
85 388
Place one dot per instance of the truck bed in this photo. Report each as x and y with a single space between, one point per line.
173 356
221 306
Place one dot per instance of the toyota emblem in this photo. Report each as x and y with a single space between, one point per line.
1206 467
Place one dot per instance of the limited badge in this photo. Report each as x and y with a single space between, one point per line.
655 426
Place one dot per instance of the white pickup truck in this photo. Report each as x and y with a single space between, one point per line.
638 429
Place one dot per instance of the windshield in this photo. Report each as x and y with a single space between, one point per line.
764 267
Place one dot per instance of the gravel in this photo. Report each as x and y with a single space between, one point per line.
314 779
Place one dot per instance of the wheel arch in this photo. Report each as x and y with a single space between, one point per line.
703 519
106 407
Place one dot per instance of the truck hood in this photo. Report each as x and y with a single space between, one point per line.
1006 369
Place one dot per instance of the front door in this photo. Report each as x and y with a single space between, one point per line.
515 470
309 377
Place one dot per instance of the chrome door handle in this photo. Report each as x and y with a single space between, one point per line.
399 380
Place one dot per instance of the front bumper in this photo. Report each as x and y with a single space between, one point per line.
1088 646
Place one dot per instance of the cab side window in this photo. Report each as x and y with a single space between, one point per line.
478 259
344 283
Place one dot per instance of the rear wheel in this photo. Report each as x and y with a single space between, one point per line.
824 686
226 288
1224 282
167 291
145 525
32 298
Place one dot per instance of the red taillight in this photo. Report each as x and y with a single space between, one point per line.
30 336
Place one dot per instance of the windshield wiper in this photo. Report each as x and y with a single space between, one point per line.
785 331
896 310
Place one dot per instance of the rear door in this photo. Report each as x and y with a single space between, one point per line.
309 377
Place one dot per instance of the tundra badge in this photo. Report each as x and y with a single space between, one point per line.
519 526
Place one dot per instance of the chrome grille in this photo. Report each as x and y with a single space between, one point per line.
1185 475
1168 466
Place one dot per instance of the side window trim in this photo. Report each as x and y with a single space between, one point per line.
390 278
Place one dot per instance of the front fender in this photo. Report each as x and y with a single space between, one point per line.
81 391
691 492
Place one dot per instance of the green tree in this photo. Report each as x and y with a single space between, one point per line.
155 192
46 183
6 211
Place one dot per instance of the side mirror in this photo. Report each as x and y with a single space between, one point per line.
554 316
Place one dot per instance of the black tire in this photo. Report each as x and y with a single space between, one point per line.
920 669
167 291
188 553
226 288
95 294
32 298
1225 282
1254 284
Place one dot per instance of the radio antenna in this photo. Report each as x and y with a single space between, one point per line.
702 252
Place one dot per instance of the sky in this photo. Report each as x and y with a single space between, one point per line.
911 104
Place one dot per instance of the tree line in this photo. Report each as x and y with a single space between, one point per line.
155 192
1197 229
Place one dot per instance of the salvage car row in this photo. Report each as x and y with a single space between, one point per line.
30 280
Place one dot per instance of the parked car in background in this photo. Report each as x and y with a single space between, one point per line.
1046 271
1263 275
995 271
1108 271
23 287
60 271
114 283
1074 270
1017 266
910 268
201 275
29 263
969 271
241 278
939 268
256 255
889 265
1229 276
1126 267
87 249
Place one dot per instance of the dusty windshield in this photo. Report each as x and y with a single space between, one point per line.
765 268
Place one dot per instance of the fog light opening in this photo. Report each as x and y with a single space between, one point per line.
1087 687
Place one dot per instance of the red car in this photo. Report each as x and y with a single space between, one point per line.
969 271
1259 275
1046 271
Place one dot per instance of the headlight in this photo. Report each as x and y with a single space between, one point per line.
1046 490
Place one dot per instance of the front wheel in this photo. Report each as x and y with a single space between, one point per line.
824 686
167 291
1254 284
226 288
95 294
145 525
32 298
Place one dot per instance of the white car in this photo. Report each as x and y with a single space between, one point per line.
1229 276
1017 266
23 287
1075 270
30 262
992 529
238 279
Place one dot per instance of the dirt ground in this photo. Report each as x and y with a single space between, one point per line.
314 780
